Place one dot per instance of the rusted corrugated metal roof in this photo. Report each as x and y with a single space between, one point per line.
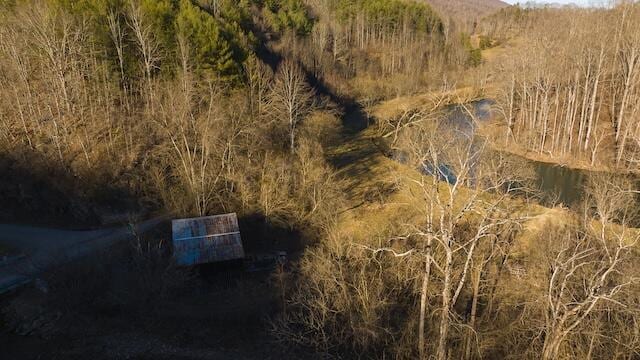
207 239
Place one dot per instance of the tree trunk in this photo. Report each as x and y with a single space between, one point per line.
551 346
474 311
446 304
423 302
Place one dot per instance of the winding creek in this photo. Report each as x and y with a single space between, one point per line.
557 184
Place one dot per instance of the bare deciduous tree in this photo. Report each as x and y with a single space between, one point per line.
457 221
585 273
148 45
291 98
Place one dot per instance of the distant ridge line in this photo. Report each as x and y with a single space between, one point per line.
466 10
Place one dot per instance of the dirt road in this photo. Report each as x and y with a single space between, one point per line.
46 248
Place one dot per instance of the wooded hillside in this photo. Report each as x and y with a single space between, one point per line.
372 141
570 89
466 12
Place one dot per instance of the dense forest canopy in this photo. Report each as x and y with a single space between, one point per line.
288 14
390 14
220 43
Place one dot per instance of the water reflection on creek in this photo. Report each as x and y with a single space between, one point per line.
556 184
560 184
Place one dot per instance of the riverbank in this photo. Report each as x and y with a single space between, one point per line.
560 184
494 132
381 192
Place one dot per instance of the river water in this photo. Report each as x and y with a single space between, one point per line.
560 184
555 184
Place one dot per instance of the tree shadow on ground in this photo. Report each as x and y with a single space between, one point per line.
260 238
39 191
140 305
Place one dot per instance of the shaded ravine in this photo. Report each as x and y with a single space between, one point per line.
354 117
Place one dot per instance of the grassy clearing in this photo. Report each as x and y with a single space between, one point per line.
381 195
395 107
501 51
400 206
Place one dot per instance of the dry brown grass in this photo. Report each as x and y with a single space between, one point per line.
502 51
381 193
369 170
395 107
494 132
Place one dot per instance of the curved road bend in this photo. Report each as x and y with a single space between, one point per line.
46 248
